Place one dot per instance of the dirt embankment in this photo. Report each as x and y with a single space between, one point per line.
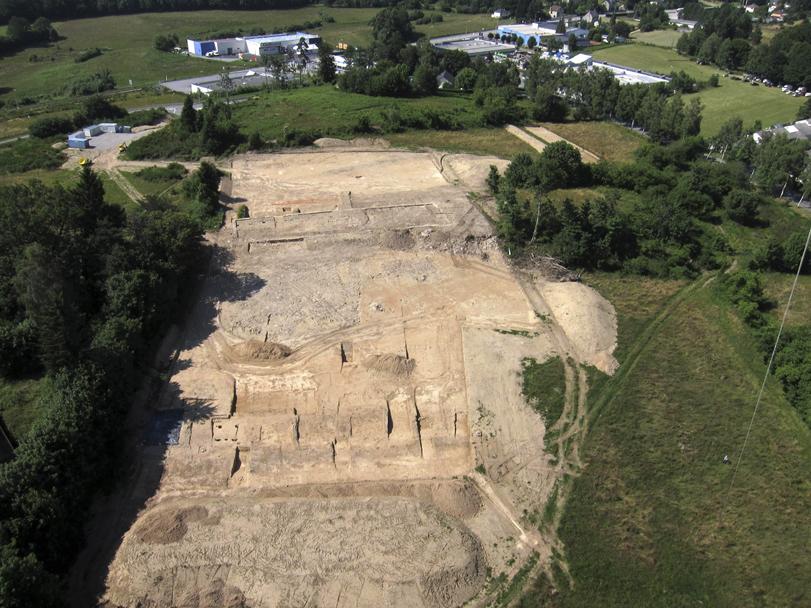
588 319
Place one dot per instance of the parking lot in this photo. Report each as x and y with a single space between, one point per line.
110 141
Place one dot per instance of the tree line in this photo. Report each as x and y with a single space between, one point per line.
595 94
726 37
744 290
21 33
84 291
673 192
73 9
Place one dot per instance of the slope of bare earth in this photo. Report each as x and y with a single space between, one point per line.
354 355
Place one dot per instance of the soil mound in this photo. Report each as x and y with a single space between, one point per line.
396 365
216 595
359 142
588 319
169 526
399 240
460 500
263 351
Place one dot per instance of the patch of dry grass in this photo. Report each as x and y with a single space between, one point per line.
607 140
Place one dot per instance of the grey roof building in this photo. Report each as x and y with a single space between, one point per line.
799 130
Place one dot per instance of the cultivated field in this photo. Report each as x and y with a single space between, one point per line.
732 98
351 428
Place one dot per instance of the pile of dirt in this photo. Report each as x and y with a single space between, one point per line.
481 246
359 142
396 365
168 526
460 500
261 351
399 240
588 319
216 595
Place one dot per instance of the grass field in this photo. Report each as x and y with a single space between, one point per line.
16 121
127 44
665 38
650 522
732 98
18 404
777 287
544 387
331 112
607 140
147 187
488 141
50 178
114 195
328 110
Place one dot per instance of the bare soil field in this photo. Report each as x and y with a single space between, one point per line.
343 423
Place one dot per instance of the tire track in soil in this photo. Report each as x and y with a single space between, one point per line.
122 182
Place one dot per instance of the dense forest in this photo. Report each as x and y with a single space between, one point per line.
72 9
84 292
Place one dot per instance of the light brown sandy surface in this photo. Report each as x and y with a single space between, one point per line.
354 355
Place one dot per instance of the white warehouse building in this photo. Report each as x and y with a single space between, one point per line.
256 46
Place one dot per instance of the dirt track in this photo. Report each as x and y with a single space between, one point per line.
355 354
540 137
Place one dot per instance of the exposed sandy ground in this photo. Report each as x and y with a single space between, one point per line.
526 137
588 319
355 354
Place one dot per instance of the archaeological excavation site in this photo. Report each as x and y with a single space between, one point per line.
341 422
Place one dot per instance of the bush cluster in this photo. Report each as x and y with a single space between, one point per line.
672 188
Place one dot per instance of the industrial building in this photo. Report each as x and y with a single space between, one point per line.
799 130
542 30
626 75
475 44
254 46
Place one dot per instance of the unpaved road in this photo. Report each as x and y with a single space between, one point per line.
540 137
